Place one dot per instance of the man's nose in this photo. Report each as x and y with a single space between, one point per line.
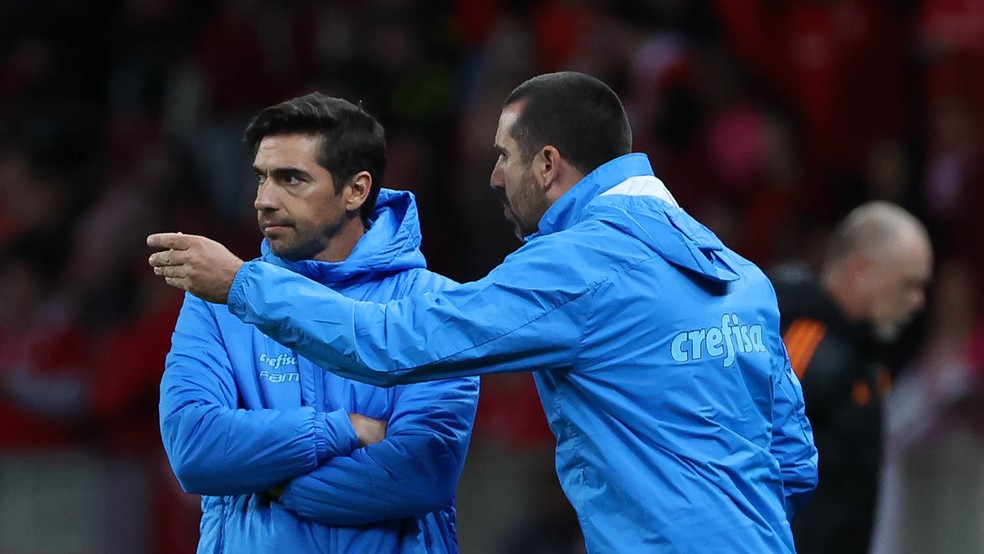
497 180
266 198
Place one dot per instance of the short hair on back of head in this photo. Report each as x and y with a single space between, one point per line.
351 139
576 113
870 229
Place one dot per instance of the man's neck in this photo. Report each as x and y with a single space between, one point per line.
341 245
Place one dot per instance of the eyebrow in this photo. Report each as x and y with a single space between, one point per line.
281 173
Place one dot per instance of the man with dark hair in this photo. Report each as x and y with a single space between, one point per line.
836 326
656 350
560 106
352 140
289 457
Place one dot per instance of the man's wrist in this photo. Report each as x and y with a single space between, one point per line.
236 295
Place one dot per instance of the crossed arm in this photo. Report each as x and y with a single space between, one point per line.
331 467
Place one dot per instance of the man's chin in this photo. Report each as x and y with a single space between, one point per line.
518 232
283 252
515 226
888 332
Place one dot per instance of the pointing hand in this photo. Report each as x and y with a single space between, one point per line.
196 264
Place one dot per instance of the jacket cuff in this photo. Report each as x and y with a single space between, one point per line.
334 435
236 302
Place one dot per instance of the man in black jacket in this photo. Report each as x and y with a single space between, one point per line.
835 326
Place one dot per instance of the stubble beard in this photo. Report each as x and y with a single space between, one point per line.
887 332
532 205
306 246
288 250
290 246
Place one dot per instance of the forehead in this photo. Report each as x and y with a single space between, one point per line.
287 150
507 119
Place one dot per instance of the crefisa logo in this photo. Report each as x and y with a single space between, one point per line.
279 362
282 360
728 340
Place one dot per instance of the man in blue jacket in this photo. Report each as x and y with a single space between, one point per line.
656 350
289 457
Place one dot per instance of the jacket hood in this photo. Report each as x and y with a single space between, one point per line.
682 241
392 243
625 193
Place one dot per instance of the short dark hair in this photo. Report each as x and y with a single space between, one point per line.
576 113
351 139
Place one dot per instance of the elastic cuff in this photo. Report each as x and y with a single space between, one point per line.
236 300
287 496
337 436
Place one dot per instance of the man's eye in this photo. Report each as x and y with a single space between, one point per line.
292 180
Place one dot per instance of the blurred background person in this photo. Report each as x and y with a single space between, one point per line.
837 325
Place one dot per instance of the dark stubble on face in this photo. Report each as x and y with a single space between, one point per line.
527 206
305 246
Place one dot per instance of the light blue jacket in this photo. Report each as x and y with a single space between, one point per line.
240 413
680 426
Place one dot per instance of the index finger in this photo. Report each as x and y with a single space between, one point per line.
174 241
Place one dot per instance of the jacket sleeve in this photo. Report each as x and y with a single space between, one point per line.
215 448
413 471
827 373
792 437
524 316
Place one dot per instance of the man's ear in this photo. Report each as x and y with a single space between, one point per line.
547 166
554 173
357 191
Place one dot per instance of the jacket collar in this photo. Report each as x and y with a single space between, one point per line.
567 210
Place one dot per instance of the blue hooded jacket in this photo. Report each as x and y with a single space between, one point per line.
240 413
680 426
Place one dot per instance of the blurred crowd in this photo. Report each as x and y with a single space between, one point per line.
768 120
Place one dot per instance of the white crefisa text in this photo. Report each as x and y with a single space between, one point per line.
728 340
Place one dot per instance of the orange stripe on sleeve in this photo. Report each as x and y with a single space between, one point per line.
884 381
860 393
802 339
798 333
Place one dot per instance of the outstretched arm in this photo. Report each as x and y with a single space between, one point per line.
527 315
